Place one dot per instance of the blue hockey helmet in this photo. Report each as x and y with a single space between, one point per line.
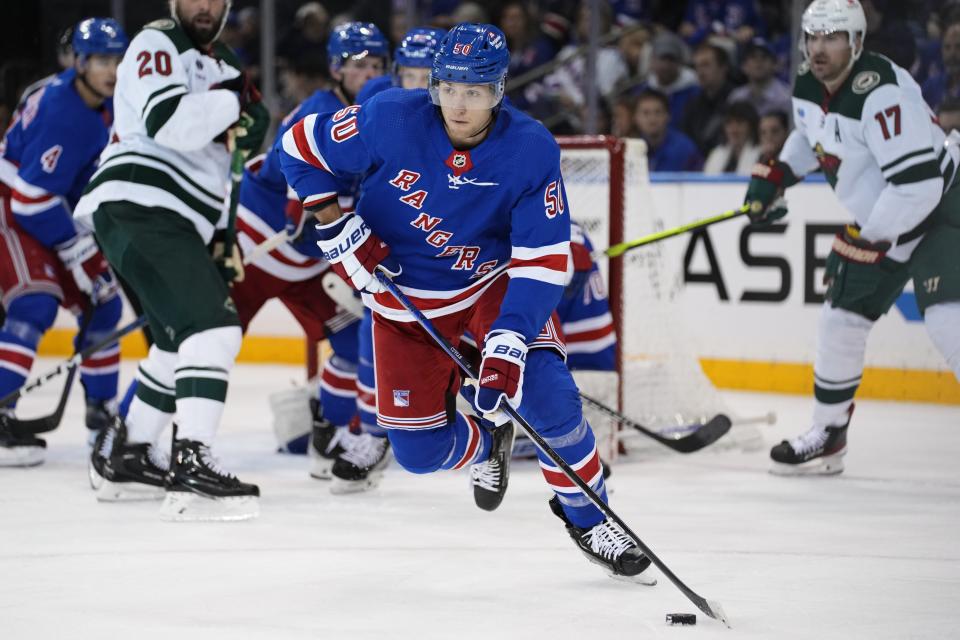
418 47
356 40
471 54
99 36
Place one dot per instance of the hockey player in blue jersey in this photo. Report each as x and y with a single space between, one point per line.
412 60
462 202
584 310
358 55
46 261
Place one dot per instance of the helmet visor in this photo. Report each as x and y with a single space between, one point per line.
462 95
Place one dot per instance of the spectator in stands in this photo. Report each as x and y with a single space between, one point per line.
621 117
568 84
703 118
667 148
949 115
736 19
774 129
308 73
764 90
946 84
739 152
311 27
627 13
669 76
532 45
888 32
634 47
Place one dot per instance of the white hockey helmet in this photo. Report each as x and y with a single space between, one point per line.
223 19
830 16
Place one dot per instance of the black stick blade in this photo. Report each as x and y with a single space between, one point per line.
707 434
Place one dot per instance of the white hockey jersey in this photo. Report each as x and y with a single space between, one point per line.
879 146
167 150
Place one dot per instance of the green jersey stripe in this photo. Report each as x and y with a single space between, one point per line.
139 174
917 173
906 156
154 382
160 113
196 185
161 94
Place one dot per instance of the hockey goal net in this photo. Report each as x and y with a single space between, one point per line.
658 382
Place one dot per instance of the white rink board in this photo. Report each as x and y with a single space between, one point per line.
771 331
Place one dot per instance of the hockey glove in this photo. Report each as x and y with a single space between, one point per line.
355 252
501 373
301 228
230 267
82 258
768 181
250 130
851 269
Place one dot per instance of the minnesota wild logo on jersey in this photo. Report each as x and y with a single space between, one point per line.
829 164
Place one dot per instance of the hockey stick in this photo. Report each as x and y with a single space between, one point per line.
711 608
618 250
704 435
52 421
69 365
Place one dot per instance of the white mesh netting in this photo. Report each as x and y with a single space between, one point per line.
663 385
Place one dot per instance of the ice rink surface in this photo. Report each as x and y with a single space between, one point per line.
870 554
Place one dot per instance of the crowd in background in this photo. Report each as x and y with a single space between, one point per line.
706 83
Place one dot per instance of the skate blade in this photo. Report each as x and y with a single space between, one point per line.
107 491
644 577
183 506
22 456
341 487
321 468
825 466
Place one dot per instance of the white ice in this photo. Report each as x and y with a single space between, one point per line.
870 554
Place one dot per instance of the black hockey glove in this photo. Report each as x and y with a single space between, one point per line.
851 272
768 180
243 86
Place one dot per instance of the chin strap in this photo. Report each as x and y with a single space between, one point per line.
82 77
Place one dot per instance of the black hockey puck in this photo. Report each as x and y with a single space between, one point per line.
681 618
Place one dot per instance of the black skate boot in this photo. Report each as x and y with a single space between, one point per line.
199 489
607 545
819 451
327 443
19 450
120 471
100 415
490 478
360 467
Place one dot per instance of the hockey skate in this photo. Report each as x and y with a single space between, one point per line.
360 467
122 472
99 416
819 451
198 488
607 545
327 443
490 478
19 450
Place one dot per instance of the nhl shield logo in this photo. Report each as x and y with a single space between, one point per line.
459 162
